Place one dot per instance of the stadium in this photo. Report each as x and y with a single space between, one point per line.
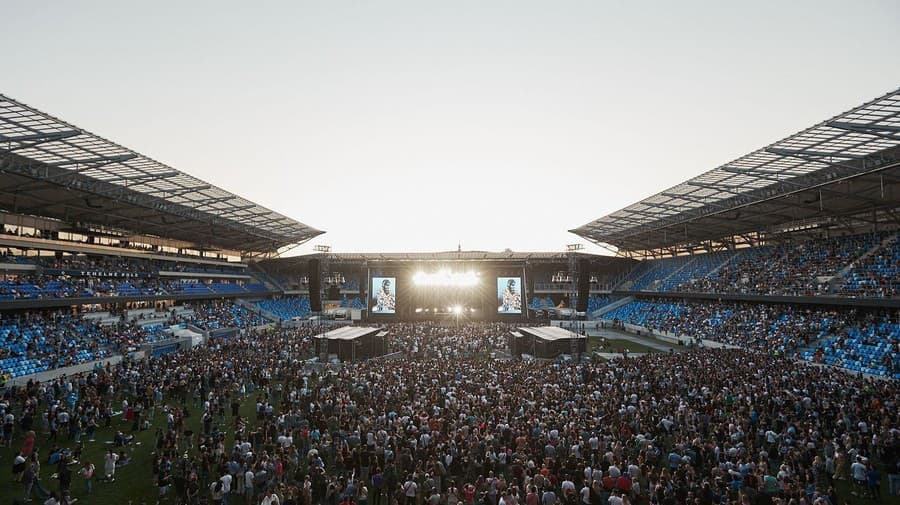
738 340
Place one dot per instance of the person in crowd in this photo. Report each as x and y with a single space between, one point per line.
450 424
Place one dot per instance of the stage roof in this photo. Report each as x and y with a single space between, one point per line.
51 168
844 167
550 333
347 333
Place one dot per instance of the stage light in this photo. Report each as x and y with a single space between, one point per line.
445 277
457 310
418 309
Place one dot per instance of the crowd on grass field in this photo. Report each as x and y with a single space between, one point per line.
700 427
448 341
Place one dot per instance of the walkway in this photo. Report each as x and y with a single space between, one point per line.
619 335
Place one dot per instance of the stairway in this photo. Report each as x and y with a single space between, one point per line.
840 277
265 278
252 307
610 307
661 282
810 349
640 270
728 259
881 245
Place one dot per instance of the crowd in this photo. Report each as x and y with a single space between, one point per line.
862 341
699 427
44 340
598 302
780 329
803 269
871 345
224 314
71 276
445 340
287 307
877 275
44 286
105 241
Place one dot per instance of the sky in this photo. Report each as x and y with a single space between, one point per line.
424 126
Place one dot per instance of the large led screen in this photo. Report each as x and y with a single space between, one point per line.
384 295
509 295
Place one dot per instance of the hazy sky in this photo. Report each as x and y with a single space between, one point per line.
415 126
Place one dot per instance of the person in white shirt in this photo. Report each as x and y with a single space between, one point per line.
270 499
248 485
226 487
860 472
567 487
615 499
109 465
410 488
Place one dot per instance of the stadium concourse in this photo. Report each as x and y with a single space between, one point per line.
154 347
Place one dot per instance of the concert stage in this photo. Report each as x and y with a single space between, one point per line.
351 343
547 342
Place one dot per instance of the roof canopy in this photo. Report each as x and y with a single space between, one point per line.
53 169
838 168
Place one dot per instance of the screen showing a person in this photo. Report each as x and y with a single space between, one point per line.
384 295
509 295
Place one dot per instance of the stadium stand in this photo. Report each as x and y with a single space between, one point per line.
863 265
355 303
872 346
710 424
804 269
779 329
350 285
876 275
42 341
597 302
104 276
29 287
700 267
216 315
649 274
287 308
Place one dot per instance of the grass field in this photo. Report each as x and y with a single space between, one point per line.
134 482
615 345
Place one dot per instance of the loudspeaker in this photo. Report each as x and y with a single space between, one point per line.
334 293
584 285
529 283
315 285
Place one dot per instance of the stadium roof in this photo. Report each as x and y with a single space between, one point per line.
445 257
845 166
453 256
53 169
